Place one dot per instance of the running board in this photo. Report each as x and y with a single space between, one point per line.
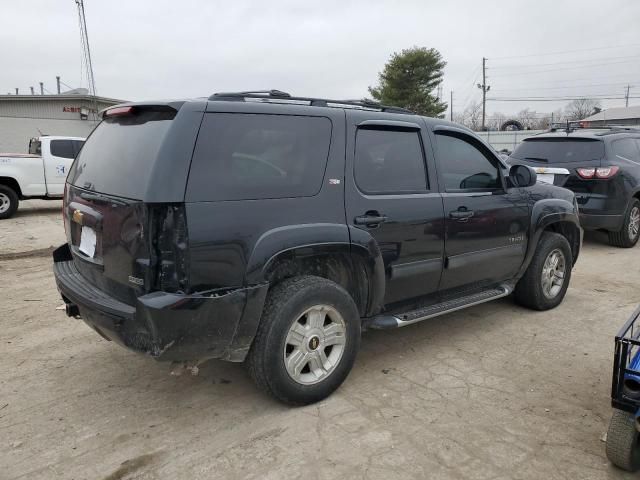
382 322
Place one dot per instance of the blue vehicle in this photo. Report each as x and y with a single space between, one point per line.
623 447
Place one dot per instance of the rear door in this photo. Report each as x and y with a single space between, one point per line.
392 194
57 159
486 224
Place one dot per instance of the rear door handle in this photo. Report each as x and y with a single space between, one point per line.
370 220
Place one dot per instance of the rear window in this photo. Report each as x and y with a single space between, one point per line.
118 157
65 148
249 156
559 150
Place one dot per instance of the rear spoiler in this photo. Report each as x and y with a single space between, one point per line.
124 109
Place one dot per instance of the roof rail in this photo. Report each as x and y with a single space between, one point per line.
278 96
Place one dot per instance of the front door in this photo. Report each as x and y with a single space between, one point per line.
486 223
391 194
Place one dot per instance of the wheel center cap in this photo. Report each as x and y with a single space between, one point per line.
314 342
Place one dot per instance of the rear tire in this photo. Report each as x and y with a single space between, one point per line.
8 202
630 233
307 340
546 280
623 449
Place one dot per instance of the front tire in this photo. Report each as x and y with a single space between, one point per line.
546 280
630 233
623 448
307 340
8 202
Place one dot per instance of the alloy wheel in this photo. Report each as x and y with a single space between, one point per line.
315 344
634 223
5 202
553 272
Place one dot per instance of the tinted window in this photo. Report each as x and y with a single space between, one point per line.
244 156
119 155
389 161
464 166
626 149
63 148
559 150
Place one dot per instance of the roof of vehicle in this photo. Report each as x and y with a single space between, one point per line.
283 99
593 134
60 137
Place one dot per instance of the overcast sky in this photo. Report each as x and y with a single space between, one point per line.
144 49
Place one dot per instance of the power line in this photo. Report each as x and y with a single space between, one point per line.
499 75
563 62
555 99
573 85
566 51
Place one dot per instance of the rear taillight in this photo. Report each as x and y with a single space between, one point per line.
170 241
600 172
586 172
64 210
606 172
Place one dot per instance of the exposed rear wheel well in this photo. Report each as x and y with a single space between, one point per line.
571 232
339 267
11 183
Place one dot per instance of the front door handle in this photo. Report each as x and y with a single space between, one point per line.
461 215
370 219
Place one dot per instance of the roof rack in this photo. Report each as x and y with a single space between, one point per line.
576 125
278 96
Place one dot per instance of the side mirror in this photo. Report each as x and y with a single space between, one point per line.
523 176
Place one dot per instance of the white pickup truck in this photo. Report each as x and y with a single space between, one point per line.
41 173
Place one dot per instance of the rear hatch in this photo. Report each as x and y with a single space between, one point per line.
119 243
547 154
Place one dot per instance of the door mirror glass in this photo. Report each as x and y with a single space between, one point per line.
523 176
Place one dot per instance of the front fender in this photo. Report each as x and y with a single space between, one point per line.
545 213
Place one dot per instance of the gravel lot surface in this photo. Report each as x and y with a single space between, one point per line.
491 392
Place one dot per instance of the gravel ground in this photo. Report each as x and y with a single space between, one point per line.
491 392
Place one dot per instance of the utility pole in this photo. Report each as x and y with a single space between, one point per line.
485 88
32 92
17 91
58 82
451 105
626 97
41 88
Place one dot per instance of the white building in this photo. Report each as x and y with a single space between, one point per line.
25 116
626 116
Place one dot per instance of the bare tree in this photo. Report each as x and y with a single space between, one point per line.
471 117
495 121
581 108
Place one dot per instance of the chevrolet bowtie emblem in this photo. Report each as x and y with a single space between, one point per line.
77 216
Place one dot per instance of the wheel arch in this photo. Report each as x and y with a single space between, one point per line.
553 215
13 184
291 251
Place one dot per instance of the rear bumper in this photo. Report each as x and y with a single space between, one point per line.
167 326
597 222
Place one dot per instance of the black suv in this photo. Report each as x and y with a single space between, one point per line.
272 228
603 169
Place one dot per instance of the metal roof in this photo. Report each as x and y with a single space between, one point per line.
613 114
62 97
